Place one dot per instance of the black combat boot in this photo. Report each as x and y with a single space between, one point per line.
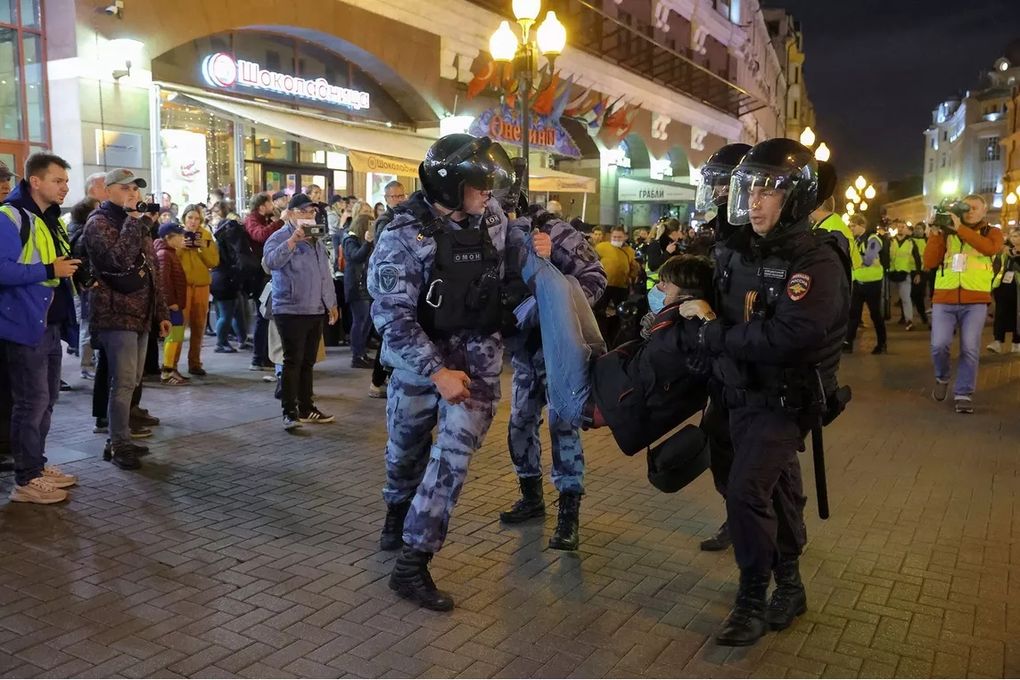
566 537
530 504
746 623
393 526
411 580
788 599
720 541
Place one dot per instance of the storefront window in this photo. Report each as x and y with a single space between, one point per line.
270 147
30 17
10 86
7 11
35 94
309 154
198 148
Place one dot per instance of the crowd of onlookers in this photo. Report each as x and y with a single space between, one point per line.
125 279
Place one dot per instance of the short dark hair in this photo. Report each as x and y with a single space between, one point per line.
692 274
81 210
259 200
38 163
619 228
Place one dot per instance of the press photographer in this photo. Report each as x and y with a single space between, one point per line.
961 246
302 293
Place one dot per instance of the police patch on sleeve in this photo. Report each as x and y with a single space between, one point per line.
388 276
798 286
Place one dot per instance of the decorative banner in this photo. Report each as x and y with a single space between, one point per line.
370 162
503 124
638 191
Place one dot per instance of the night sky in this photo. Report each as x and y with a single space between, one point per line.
875 70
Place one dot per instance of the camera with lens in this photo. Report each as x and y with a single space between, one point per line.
945 209
144 207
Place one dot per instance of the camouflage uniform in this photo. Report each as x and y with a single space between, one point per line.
573 256
432 473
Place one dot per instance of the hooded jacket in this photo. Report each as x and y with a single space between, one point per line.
26 306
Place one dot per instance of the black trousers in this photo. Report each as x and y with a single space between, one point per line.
918 291
6 404
869 294
1005 311
764 493
379 372
101 388
610 325
300 335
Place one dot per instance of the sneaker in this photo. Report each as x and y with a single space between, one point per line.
140 416
963 404
362 362
262 367
246 346
316 416
198 370
140 432
56 477
377 392
995 347
102 427
940 391
225 349
268 378
291 422
64 387
38 491
87 374
910 326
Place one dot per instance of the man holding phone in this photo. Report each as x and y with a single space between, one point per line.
302 293
38 301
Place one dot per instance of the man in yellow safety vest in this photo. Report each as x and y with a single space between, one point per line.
867 283
962 252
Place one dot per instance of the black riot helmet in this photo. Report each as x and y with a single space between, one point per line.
827 179
775 165
715 176
460 160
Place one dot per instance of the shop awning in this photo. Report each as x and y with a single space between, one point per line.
391 151
553 181
643 190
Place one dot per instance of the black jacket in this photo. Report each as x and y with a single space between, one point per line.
656 252
356 254
646 388
230 276
783 306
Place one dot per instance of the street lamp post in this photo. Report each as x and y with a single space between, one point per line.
857 195
549 40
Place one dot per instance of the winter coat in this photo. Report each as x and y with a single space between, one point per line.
301 279
171 275
116 242
230 276
198 262
356 254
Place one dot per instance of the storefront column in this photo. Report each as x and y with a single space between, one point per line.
240 200
155 142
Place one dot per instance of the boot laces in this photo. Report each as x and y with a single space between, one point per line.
569 505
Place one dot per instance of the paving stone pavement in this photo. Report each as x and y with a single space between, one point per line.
240 550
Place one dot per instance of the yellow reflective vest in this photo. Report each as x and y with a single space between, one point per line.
868 273
39 248
835 223
901 256
976 274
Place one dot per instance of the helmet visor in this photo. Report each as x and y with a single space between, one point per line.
489 168
763 190
715 182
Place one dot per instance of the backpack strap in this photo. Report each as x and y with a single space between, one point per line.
25 222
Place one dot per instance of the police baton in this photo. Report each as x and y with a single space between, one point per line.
821 485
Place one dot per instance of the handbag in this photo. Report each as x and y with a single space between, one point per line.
130 281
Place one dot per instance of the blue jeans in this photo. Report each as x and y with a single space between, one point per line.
570 336
361 326
228 314
944 320
35 385
125 352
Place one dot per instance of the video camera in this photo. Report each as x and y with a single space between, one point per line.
147 208
945 209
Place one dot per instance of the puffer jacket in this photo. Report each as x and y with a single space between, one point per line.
198 262
171 274
114 241
301 279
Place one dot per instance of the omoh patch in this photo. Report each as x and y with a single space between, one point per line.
389 275
798 286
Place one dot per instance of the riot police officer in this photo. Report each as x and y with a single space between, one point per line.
435 278
783 304
574 256
712 196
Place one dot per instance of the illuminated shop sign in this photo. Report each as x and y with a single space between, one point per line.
222 71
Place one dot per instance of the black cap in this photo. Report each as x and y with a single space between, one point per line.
299 201
279 194
336 198
5 172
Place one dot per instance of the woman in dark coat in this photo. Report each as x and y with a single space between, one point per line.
357 246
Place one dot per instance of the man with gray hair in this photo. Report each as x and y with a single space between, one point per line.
95 186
